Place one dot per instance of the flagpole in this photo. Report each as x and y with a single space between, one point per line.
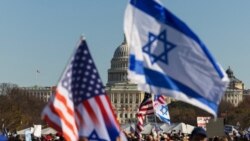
152 98
37 71
36 77
155 121
156 125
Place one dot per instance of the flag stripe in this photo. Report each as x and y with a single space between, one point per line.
55 126
60 114
135 65
52 124
146 108
146 111
101 128
148 102
91 112
161 100
54 121
79 120
112 116
63 108
164 119
86 121
161 14
62 99
162 80
113 134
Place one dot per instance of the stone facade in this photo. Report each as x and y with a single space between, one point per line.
43 93
235 90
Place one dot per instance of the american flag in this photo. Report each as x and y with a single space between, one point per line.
80 108
146 108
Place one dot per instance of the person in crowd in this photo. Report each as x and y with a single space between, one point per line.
198 134
149 138
224 138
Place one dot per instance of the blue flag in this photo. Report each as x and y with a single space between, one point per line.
166 57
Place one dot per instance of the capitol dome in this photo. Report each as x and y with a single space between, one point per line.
124 94
122 50
231 76
229 72
119 64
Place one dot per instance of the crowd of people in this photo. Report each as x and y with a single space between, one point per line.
198 134
15 137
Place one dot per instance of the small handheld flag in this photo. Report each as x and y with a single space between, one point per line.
145 108
161 108
148 106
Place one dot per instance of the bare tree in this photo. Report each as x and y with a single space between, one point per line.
5 88
17 110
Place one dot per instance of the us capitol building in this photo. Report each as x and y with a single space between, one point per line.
123 94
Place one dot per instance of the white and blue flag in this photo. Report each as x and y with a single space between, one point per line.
166 57
161 108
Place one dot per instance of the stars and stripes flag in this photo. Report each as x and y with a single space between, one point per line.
145 108
166 57
148 106
80 108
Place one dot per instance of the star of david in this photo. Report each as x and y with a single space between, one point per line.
94 137
164 110
157 53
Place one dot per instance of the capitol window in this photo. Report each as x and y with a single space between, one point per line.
131 99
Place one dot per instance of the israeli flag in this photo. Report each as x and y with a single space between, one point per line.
161 108
166 57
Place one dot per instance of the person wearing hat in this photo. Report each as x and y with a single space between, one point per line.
198 134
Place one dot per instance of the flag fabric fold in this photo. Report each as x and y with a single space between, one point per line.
80 107
166 57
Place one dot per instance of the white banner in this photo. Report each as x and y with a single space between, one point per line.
37 130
